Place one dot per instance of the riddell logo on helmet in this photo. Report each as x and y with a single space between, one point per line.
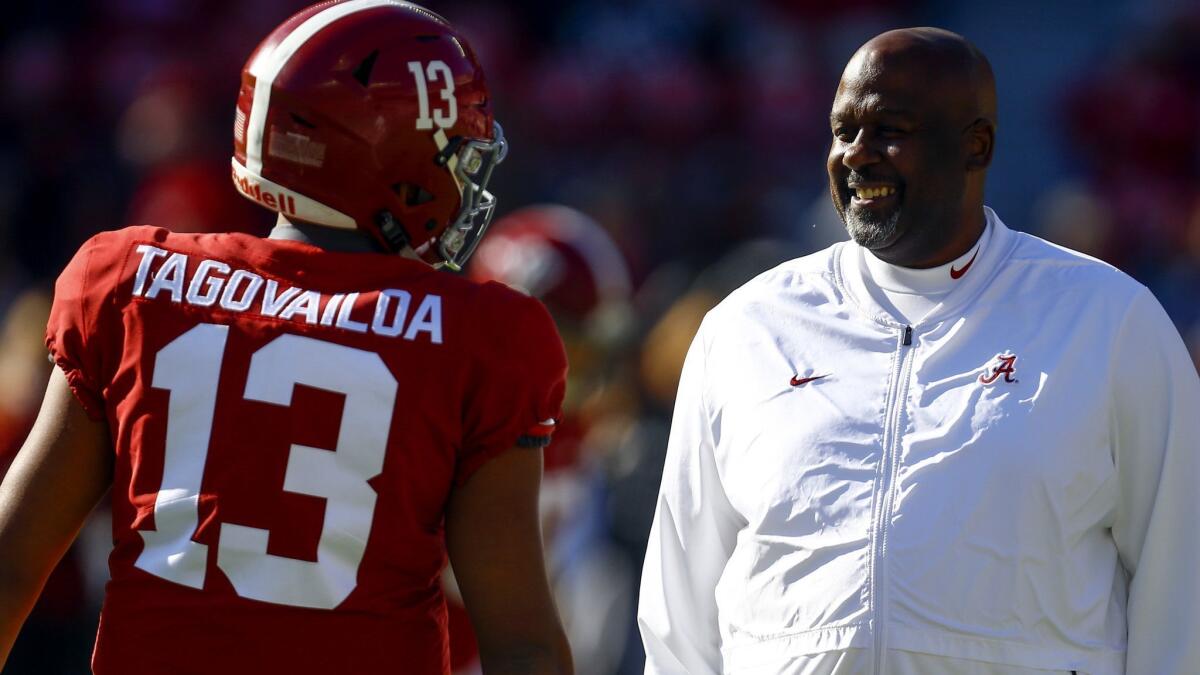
282 201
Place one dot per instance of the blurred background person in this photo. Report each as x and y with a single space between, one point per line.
565 259
683 129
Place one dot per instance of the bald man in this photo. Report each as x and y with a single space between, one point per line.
944 447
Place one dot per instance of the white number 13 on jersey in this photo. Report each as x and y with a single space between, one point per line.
188 367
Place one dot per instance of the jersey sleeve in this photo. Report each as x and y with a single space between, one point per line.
516 394
1156 427
79 316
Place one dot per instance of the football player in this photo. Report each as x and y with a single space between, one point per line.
298 430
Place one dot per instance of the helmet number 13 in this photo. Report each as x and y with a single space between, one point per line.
188 368
425 75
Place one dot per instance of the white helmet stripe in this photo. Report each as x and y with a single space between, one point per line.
267 66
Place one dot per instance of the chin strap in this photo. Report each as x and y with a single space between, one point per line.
392 232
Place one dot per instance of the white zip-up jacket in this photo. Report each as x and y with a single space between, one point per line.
1011 485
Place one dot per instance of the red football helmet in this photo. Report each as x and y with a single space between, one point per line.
371 114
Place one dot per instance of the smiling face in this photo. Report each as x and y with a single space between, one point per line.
904 159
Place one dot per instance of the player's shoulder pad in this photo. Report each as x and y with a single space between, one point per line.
514 313
98 264
129 234
518 334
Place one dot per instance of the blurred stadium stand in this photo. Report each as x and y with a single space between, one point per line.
693 131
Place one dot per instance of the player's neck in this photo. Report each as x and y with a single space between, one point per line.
328 238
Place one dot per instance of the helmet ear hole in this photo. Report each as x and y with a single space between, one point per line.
363 72
412 194
302 122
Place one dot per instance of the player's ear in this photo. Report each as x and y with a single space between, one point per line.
980 141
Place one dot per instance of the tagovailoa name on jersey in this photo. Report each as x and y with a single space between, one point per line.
212 283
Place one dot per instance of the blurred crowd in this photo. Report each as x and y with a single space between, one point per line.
663 152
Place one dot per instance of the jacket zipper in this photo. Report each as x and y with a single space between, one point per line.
891 449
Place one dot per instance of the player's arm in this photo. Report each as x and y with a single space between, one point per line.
494 539
60 473
691 539
1156 428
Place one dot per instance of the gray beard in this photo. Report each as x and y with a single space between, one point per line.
867 231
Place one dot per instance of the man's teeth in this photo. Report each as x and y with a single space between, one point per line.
872 193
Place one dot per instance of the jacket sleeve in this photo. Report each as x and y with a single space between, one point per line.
1156 422
691 539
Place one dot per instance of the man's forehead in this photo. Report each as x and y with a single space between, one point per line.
898 87
869 98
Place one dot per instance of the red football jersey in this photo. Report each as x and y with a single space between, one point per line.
288 424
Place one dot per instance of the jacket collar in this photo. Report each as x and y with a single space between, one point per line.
852 278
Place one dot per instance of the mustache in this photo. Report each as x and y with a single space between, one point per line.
856 177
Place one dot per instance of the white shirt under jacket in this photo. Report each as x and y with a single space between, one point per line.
921 509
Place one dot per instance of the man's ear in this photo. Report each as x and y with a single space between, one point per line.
981 140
